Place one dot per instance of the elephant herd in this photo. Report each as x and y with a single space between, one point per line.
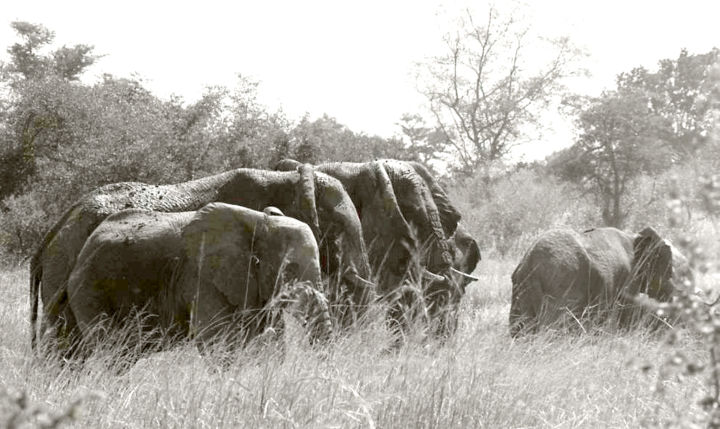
220 256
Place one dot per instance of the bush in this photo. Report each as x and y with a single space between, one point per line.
22 222
508 212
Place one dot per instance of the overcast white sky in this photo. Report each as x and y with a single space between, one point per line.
352 60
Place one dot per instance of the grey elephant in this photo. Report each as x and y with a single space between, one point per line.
463 247
570 276
407 221
221 272
312 197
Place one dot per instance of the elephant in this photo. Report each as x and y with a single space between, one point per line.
466 255
594 274
464 248
311 197
216 273
407 219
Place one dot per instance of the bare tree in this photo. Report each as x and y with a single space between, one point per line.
480 93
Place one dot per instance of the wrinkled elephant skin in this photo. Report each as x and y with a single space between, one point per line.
569 276
189 272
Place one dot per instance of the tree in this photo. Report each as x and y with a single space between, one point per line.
480 94
327 140
37 84
620 138
26 62
680 92
245 132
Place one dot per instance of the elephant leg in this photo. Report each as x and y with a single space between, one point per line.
89 308
527 306
216 325
565 310
57 260
406 307
58 324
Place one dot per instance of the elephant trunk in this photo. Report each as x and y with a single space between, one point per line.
307 198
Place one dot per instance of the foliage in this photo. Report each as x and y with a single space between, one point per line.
509 211
62 137
620 139
479 92
652 121
692 314
326 140
682 92
27 63
17 411
21 224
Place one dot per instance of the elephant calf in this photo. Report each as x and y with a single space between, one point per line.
565 275
196 273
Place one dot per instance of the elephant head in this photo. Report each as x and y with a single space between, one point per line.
466 255
463 247
237 259
658 268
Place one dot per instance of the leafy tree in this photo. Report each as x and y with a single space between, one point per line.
37 83
480 94
680 91
325 140
425 142
620 138
245 131
26 61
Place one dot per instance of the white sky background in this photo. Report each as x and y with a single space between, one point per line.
352 60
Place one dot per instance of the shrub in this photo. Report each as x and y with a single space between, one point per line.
508 212
22 222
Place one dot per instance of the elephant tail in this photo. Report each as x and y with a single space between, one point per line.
35 276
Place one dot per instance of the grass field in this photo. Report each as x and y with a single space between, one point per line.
481 378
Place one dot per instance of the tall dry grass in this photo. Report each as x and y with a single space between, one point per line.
479 378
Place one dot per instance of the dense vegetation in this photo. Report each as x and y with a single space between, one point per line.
651 137
61 137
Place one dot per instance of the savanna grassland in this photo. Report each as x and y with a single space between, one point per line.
61 137
480 378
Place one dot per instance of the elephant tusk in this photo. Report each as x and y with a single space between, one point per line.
466 275
432 276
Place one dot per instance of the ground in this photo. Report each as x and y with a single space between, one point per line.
480 378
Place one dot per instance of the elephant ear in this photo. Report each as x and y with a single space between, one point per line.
419 209
307 203
449 215
383 221
652 262
219 248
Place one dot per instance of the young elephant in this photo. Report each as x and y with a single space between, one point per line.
565 274
204 273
